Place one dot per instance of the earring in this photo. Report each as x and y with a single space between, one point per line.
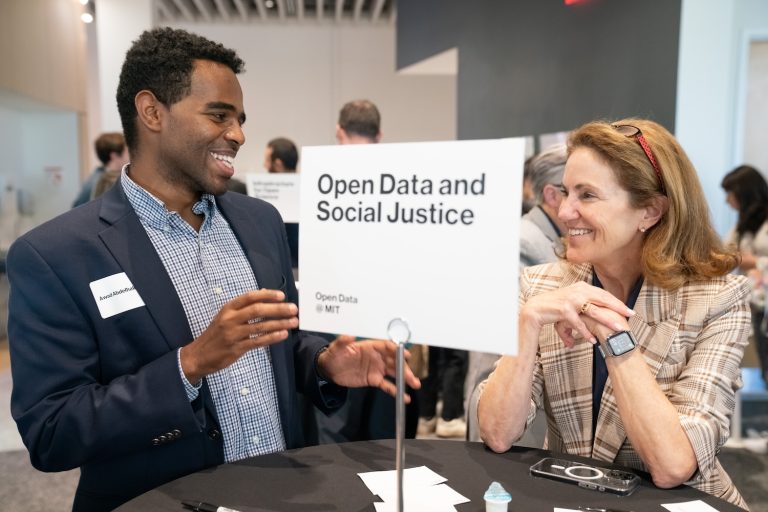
642 229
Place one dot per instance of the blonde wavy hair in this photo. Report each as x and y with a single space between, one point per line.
683 246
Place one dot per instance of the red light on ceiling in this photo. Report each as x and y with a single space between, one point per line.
574 2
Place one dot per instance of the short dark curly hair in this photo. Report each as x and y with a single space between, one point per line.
161 61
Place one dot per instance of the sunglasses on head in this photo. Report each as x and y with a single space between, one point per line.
634 132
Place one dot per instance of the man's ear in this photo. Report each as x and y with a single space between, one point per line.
278 165
341 135
377 138
551 195
150 110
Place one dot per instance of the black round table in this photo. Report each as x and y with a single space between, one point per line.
324 478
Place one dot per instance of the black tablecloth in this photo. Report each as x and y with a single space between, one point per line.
324 478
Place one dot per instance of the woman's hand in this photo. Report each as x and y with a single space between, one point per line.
568 308
610 323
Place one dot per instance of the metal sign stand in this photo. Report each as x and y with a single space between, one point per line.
399 333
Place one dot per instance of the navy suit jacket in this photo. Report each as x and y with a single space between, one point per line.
105 395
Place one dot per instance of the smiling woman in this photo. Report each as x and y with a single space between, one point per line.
643 295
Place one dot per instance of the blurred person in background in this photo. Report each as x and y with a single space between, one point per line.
113 154
359 123
281 155
747 193
528 198
540 242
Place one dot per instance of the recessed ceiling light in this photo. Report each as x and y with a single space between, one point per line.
86 17
270 4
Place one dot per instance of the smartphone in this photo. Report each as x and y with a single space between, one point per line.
616 481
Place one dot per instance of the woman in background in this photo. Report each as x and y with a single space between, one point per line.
747 193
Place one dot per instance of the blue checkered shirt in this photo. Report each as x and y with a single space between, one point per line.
208 268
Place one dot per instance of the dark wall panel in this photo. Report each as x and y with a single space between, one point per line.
540 66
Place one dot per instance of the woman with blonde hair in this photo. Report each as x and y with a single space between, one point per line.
632 342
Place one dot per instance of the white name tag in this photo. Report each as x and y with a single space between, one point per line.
115 294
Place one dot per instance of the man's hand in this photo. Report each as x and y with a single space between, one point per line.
254 319
357 364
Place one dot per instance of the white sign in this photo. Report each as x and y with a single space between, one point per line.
427 232
279 189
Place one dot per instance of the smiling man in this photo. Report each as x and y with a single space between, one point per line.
153 331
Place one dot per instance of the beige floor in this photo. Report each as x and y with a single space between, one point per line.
5 360
22 487
9 435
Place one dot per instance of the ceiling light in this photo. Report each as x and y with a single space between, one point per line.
84 2
270 4
86 17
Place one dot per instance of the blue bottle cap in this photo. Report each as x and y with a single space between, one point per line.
496 492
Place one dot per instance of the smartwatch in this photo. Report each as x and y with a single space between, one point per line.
617 344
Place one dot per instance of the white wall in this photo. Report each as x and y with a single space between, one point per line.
57 132
755 149
709 83
118 24
752 84
705 92
299 75
32 138
10 165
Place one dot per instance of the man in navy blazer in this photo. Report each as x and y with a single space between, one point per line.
109 372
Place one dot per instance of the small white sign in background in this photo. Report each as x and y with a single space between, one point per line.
423 231
279 189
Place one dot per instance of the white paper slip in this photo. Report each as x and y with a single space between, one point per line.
386 481
115 294
689 506
440 493
392 507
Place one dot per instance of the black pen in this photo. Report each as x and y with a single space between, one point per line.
200 506
597 509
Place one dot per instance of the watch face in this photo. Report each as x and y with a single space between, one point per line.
621 343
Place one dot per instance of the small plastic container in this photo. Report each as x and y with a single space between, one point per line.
496 498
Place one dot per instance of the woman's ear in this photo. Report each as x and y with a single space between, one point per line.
655 210
149 110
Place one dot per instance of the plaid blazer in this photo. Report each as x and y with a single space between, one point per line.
693 340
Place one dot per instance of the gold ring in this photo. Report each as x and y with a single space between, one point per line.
585 307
